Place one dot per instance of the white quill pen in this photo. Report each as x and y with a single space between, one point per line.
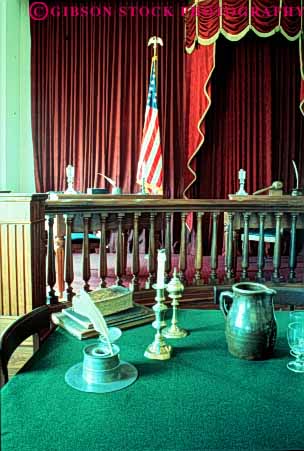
107 178
86 307
296 173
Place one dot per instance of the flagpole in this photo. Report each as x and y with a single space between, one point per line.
155 41
149 169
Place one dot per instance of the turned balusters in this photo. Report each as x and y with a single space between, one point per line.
68 261
124 247
261 251
51 267
152 253
86 271
245 249
198 251
119 251
121 221
229 277
214 258
292 249
183 249
276 277
102 273
135 253
168 244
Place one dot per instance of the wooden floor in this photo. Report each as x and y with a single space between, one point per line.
22 354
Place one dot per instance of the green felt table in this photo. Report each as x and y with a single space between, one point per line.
201 399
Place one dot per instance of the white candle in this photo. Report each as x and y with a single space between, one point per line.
161 259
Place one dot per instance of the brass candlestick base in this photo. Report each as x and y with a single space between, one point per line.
174 332
158 350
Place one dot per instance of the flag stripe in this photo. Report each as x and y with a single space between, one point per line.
150 157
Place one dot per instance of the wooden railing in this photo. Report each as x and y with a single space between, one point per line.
159 217
30 269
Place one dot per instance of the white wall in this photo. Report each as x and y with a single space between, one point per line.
16 148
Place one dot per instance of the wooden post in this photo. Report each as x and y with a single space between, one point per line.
292 250
213 280
119 258
51 267
86 270
276 277
261 252
168 244
183 250
22 253
198 251
68 262
245 248
103 251
152 253
135 253
229 277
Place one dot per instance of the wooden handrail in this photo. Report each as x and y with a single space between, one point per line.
286 204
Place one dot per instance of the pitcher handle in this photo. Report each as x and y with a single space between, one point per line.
223 305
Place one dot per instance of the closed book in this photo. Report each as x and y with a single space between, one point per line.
135 316
137 312
75 329
108 300
80 319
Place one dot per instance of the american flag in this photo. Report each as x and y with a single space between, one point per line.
150 164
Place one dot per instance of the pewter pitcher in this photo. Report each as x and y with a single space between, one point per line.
250 322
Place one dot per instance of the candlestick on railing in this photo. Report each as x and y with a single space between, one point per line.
70 172
242 178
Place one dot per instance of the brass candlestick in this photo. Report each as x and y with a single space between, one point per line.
163 307
175 289
158 350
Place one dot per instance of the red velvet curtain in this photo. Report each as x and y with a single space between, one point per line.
89 91
197 99
254 121
205 21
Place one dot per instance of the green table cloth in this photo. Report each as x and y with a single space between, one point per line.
201 399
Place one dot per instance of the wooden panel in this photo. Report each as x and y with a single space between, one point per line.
22 253
20 269
15 269
11 235
5 292
28 268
